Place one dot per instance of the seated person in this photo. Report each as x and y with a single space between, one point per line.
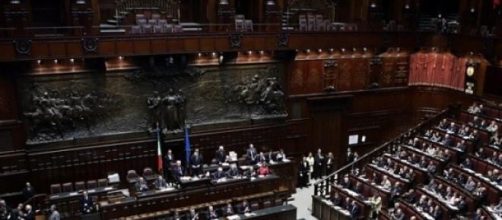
398 215
233 171
263 170
178 171
211 213
281 156
467 164
244 207
376 205
358 188
141 185
251 155
336 199
437 213
86 203
196 163
228 210
250 173
345 183
354 210
261 159
410 196
431 168
220 155
193 215
160 183
219 174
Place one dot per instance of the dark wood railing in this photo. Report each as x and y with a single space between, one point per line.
322 188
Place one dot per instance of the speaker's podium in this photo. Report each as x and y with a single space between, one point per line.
91 216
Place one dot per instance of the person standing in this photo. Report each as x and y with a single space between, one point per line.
303 175
54 214
310 160
319 164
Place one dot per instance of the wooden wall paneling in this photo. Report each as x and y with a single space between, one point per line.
8 51
175 44
74 50
40 50
142 47
191 44
207 44
110 47
57 49
159 46
327 127
312 76
124 47
295 78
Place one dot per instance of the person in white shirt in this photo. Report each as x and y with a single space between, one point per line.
492 127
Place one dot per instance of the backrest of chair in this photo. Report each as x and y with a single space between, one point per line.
67 187
102 182
147 171
131 174
80 185
91 184
136 29
55 188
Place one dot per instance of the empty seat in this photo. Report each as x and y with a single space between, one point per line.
156 16
67 187
141 21
249 25
178 28
169 28
162 22
91 184
147 28
254 206
147 172
55 188
136 29
80 185
152 22
267 204
158 29
140 16
102 182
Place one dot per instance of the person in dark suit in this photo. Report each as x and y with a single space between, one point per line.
319 164
193 215
28 191
437 213
178 171
28 214
196 163
478 215
467 164
220 155
358 188
330 163
251 154
160 182
244 207
281 156
53 213
354 210
336 199
233 172
398 215
141 185
250 173
345 183
228 210
168 160
86 203
261 159
219 174
303 173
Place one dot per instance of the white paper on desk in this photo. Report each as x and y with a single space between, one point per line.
185 178
286 160
232 217
73 193
249 214
91 191
108 188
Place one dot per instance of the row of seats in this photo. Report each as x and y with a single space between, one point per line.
77 186
154 24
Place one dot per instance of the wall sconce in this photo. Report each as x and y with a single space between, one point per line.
271 2
223 2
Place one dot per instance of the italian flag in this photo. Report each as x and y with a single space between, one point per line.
159 152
